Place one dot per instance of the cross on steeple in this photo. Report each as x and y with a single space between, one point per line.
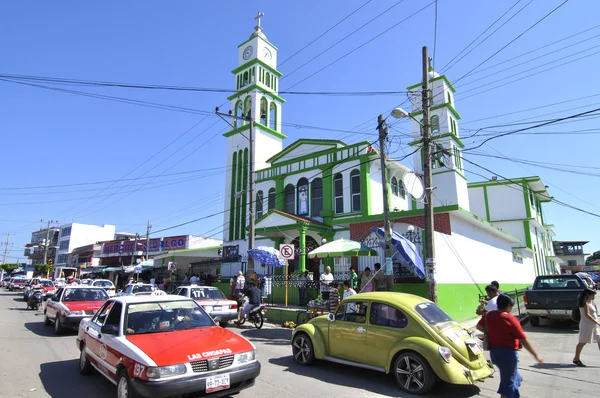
258 28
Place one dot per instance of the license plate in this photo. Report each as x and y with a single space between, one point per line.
217 383
558 312
217 308
475 349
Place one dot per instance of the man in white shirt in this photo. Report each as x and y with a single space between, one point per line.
324 281
348 291
240 282
193 280
489 305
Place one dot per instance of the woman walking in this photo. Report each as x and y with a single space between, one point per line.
588 324
504 333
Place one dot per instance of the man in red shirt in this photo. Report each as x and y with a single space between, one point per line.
504 333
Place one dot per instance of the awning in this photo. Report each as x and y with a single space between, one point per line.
407 250
109 269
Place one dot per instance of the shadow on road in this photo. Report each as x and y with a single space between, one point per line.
39 329
269 336
550 365
361 379
62 379
552 326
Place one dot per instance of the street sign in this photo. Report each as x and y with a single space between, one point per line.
287 251
137 270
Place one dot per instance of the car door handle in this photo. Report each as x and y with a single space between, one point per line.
360 329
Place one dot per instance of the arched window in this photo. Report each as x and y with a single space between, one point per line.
401 190
259 204
263 111
316 197
271 198
449 98
247 107
302 197
435 124
238 111
394 184
268 80
245 80
290 200
338 193
273 116
355 189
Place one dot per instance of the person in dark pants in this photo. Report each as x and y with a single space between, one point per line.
302 284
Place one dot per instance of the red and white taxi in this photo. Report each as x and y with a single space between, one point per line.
105 284
162 346
71 304
212 300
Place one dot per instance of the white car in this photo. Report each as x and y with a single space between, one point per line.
212 300
164 346
105 284
138 289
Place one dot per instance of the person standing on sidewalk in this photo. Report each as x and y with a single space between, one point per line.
588 323
504 332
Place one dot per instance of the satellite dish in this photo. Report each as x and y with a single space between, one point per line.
413 185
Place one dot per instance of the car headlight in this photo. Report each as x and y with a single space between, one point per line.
76 313
159 372
244 357
445 353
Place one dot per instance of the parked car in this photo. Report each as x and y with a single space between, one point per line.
212 300
395 333
161 346
138 289
553 297
18 284
5 281
105 284
71 304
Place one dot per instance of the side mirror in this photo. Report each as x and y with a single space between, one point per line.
110 329
53 297
331 317
119 291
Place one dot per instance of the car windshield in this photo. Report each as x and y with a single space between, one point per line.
84 294
103 284
142 288
558 283
47 283
166 316
432 313
204 293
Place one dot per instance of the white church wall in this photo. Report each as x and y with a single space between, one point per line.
303 150
477 202
266 146
515 228
506 202
376 189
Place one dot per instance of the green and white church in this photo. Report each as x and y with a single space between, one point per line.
316 190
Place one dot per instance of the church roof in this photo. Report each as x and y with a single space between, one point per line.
333 144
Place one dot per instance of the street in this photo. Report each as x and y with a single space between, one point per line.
35 363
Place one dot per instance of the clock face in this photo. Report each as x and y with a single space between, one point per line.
247 52
266 53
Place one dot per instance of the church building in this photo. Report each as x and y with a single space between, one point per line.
313 191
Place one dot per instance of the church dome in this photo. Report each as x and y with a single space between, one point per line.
258 34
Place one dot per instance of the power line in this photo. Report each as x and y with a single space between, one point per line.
324 33
435 33
512 41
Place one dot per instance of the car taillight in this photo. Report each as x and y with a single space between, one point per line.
525 299
233 307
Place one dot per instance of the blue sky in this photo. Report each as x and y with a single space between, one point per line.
54 138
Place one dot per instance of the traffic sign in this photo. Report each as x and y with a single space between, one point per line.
286 251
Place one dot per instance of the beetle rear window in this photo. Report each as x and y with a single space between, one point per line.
432 313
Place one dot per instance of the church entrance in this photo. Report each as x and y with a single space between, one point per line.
312 265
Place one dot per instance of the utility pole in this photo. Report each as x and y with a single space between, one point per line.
428 205
148 228
387 232
249 118
6 248
47 243
134 249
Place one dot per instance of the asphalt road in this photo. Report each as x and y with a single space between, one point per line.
35 363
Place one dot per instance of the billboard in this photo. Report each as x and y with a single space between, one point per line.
156 245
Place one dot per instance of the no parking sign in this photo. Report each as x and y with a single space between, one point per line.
287 251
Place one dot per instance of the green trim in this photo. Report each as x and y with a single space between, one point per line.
527 230
414 86
526 197
487 205
303 141
365 186
245 127
395 214
262 38
440 106
279 193
198 249
255 86
437 137
504 182
450 171
243 225
327 180
231 226
443 77
259 62
295 227
302 244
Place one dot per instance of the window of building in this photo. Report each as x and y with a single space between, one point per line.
435 124
65 231
302 187
449 98
401 190
263 111
338 193
457 159
316 196
572 263
62 258
259 204
394 185
272 198
290 200
247 107
355 188
64 245
268 80
239 112
245 80
385 315
273 116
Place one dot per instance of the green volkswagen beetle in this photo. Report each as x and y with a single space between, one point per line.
397 333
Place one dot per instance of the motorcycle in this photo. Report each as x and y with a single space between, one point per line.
34 300
256 316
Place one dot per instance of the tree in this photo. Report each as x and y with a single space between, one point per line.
43 268
9 267
595 256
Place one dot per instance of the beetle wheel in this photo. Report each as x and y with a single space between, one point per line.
303 350
413 373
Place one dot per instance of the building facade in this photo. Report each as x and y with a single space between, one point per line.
38 247
572 256
76 235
